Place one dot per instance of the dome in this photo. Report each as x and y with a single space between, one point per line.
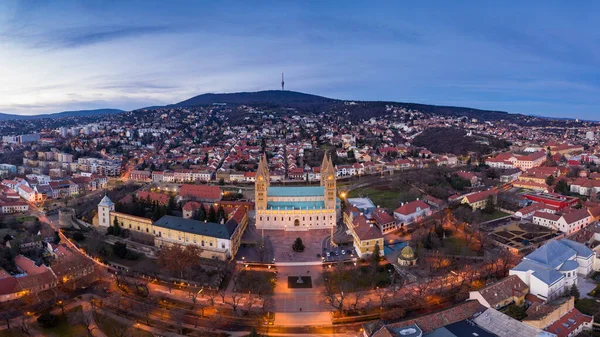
407 253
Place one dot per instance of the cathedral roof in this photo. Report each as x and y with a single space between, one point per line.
294 191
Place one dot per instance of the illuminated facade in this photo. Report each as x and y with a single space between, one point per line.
294 208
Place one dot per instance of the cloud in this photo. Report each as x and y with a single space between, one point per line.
79 37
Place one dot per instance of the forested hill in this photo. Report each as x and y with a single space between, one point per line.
357 110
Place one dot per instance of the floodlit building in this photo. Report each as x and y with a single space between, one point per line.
296 208
551 269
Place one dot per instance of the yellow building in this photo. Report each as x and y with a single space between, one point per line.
296 208
364 233
217 240
478 200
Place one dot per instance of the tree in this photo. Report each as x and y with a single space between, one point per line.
201 213
212 214
48 320
298 246
78 236
253 333
120 249
490 205
550 180
562 187
115 229
186 257
574 291
220 213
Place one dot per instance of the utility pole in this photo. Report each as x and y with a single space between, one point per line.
282 83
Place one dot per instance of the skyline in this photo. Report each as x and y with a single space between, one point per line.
57 56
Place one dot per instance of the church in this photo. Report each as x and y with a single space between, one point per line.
296 208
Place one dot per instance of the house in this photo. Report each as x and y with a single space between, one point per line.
559 317
140 175
478 200
585 186
383 330
364 233
554 267
411 212
528 211
502 293
383 220
471 177
568 222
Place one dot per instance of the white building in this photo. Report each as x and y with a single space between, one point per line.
411 212
567 223
551 269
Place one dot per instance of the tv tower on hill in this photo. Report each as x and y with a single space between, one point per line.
282 83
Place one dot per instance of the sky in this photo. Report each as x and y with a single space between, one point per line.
531 57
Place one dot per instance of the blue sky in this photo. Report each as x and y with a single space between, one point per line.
539 57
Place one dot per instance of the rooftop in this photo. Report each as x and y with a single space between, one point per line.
295 191
221 231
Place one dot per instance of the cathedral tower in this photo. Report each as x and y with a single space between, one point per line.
263 179
328 174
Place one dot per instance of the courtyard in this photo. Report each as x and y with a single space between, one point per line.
521 236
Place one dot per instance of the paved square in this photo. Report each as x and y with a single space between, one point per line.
293 282
282 242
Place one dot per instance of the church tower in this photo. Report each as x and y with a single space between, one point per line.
328 182
104 208
263 179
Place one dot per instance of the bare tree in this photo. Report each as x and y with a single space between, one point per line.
235 301
178 316
84 320
121 329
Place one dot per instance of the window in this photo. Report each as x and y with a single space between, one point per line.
202 243
261 218
223 245
138 228
211 244
147 230
194 240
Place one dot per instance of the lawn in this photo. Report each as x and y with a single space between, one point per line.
496 215
24 218
386 198
458 245
262 282
588 306
14 332
109 326
64 328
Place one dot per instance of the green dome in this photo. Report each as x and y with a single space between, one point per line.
407 253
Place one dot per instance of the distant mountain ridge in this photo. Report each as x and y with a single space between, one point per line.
76 113
363 109
277 97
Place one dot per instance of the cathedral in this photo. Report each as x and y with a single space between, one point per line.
296 208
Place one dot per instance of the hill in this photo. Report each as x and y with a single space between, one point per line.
270 97
357 110
456 141
77 113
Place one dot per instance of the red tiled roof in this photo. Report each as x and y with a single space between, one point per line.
504 289
381 216
364 230
200 191
411 207
9 285
568 323
577 215
548 216
479 196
